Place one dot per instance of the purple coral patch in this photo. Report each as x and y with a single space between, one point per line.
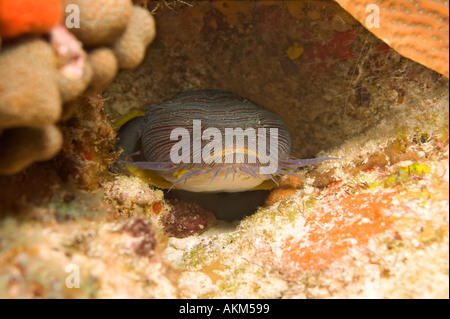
185 219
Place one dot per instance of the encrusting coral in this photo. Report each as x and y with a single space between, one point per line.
41 79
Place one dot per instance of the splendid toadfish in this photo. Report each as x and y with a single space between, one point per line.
209 141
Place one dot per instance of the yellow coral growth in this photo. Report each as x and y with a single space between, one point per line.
417 29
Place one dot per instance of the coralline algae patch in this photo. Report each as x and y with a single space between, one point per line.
287 187
331 232
349 222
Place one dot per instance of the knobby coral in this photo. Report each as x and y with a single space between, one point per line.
41 79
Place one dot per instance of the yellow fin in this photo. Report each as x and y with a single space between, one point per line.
149 176
125 118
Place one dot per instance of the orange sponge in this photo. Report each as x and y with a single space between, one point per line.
28 16
331 232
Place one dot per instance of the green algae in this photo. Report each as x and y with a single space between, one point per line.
430 234
402 175
84 206
198 257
